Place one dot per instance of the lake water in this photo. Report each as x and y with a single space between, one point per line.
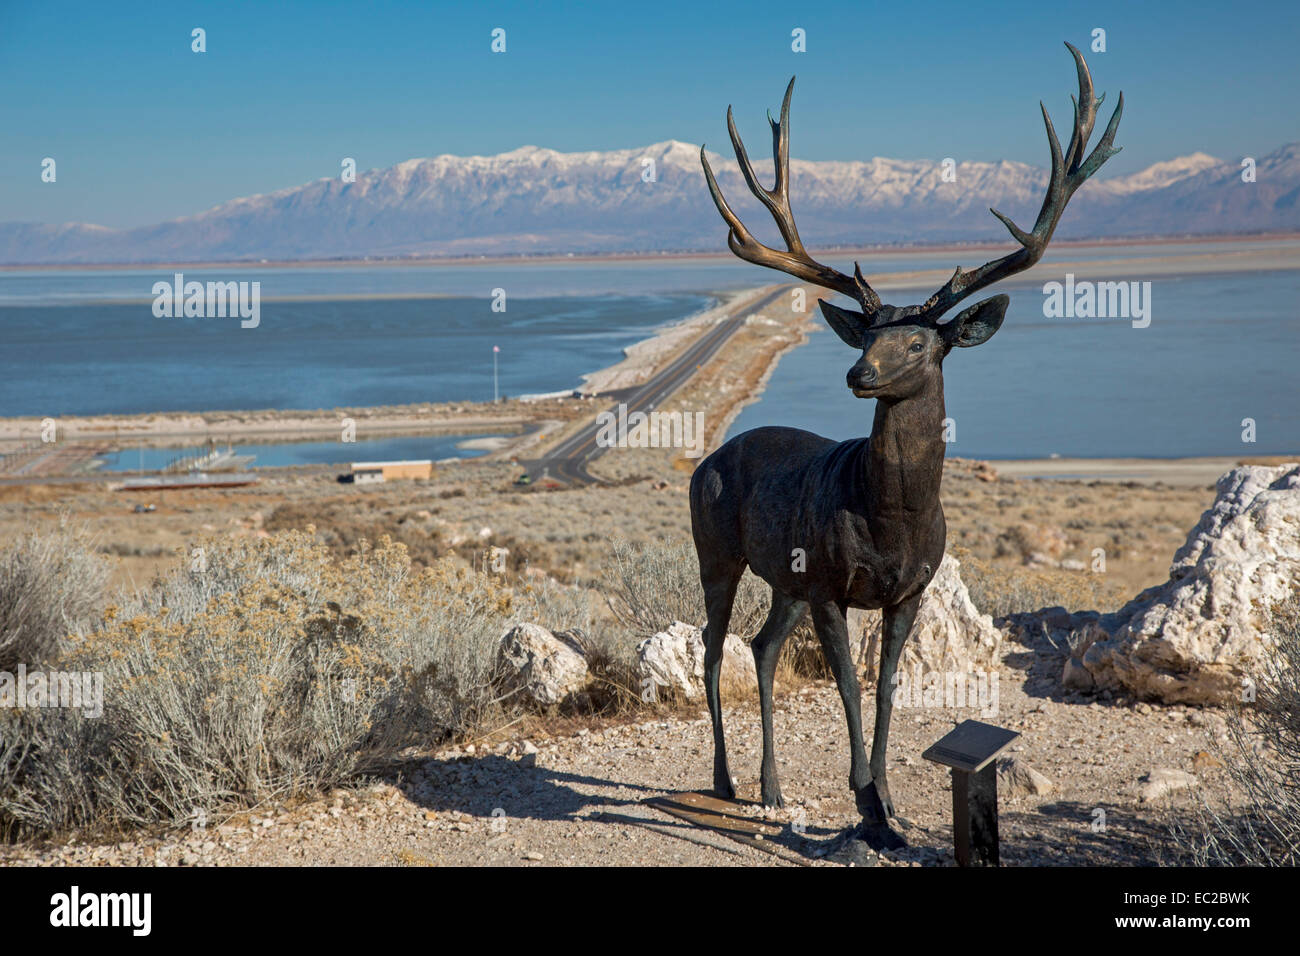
1219 349
116 358
522 279
283 454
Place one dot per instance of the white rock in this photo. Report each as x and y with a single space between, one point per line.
540 664
1017 777
1196 637
675 659
1162 781
949 633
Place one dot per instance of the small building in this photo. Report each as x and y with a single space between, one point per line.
369 472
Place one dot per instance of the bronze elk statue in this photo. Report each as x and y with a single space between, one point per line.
864 514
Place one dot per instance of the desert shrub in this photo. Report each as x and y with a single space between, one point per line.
345 529
49 584
561 607
1260 824
613 687
265 669
998 590
648 586
573 612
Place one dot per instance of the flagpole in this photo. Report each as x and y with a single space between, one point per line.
495 350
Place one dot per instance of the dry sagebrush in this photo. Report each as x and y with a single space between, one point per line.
273 670
1261 826
49 584
648 586
998 590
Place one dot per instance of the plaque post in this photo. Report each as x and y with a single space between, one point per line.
969 750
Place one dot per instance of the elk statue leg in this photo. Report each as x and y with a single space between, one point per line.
897 624
719 582
833 633
781 619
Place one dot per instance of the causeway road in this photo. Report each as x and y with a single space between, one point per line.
568 460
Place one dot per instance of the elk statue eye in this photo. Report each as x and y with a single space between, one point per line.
916 347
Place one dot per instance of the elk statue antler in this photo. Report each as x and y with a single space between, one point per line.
1069 171
796 260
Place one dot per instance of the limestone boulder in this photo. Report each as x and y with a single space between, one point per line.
674 659
544 666
950 634
1163 781
1198 638
1017 778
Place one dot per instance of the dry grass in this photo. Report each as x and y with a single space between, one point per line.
1262 758
49 584
270 668
649 586
999 589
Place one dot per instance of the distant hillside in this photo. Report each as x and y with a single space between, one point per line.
534 200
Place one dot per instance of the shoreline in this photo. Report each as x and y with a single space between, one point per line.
1221 262
642 357
280 426
760 386
1192 471
625 257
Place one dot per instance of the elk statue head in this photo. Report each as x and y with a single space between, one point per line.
902 345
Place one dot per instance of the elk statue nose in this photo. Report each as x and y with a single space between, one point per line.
861 377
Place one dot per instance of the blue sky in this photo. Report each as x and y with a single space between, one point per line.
143 129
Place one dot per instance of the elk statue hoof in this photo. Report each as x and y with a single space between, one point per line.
861 845
879 836
875 803
723 788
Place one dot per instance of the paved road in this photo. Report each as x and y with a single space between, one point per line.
568 460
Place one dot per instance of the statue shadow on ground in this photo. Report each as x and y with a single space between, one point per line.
519 789
1060 833
522 789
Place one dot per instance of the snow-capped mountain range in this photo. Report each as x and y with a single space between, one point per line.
533 201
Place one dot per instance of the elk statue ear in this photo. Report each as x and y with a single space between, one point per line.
976 325
848 325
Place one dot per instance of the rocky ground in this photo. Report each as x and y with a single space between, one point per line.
579 798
